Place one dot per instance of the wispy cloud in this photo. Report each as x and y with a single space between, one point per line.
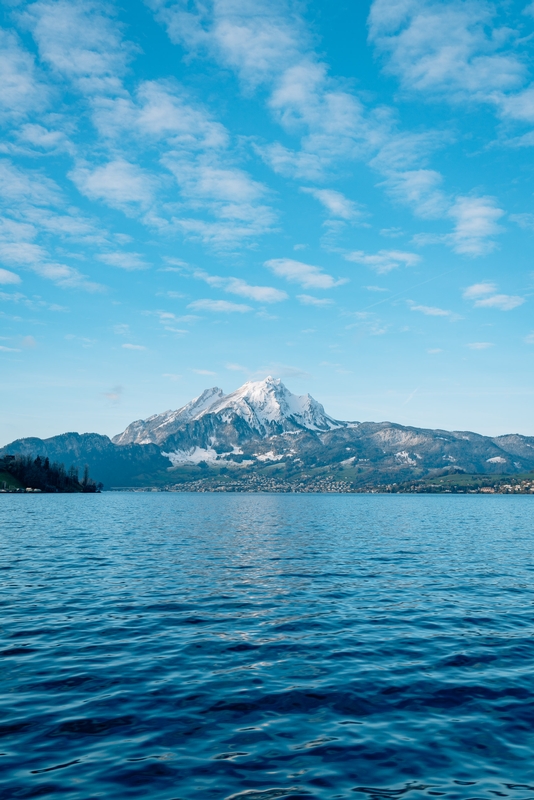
308 300
263 294
118 183
476 223
480 345
445 49
21 88
336 204
7 277
80 41
385 260
307 275
332 124
433 311
504 302
114 395
484 295
128 261
129 346
219 306
479 290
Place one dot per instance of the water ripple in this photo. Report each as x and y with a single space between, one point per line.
259 647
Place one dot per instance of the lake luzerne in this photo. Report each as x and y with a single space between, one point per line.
216 646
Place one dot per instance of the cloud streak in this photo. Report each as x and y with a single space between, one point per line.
306 275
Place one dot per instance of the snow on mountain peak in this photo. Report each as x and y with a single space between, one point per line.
157 428
268 402
265 405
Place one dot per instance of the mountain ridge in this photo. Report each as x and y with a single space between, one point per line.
263 429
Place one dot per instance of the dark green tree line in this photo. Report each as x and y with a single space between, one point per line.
40 474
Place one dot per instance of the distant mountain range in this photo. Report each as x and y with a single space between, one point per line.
265 431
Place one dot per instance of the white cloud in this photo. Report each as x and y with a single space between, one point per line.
8 277
222 235
226 192
196 151
476 223
65 276
445 49
203 372
308 276
223 306
308 300
160 110
525 221
418 189
385 260
263 294
133 347
253 38
265 43
333 125
21 91
129 261
484 296
433 311
15 249
504 302
480 345
22 253
453 51
28 186
204 180
50 141
118 183
80 41
337 205
479 290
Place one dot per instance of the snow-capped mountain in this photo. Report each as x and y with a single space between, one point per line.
266 407
159 427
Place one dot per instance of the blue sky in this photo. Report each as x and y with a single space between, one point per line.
198 194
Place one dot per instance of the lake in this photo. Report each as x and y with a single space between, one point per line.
180 646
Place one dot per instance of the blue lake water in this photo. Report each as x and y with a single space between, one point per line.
180 646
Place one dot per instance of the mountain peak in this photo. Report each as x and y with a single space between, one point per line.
266 405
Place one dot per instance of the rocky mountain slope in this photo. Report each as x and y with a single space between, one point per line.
266 407
263 429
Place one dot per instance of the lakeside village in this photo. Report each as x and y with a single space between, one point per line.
449 484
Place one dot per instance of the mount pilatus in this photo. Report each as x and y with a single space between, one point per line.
265 431
266 407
